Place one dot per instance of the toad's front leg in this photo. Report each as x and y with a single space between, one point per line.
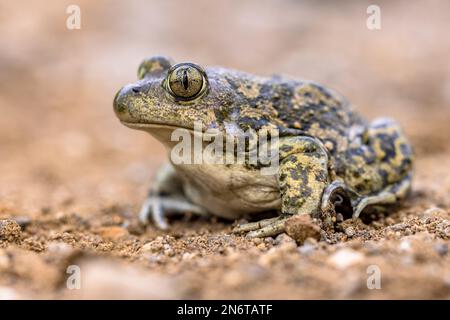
302 177
166 197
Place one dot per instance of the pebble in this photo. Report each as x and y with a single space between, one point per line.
390 221
441 248
345 258
153 246
283 238
306 249
434 211
188 256
112 232
169 252
10 231
301 227
350 231
60 248
5 261
257 241
404 246
399 227
23 221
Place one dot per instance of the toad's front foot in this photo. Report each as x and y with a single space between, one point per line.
156 208
166 198
263 228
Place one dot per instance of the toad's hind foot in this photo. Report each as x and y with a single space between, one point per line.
389 195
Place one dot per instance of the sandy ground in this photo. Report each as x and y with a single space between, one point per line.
72 178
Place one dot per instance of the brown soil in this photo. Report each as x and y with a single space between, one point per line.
72 178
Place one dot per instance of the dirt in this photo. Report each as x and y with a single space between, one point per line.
73 178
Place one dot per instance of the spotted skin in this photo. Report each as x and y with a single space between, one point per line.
326 150
303 175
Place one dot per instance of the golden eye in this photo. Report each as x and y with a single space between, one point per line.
186 81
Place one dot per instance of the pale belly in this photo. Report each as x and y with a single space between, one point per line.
230 192
227 191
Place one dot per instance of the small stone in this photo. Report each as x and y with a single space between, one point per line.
153 246
23 221
261 246
350 232
5 261
169 252
434 211
447 232
257 241
441 248
112 232
10 231
301 227
399 227
405 246
389 221
283 238
307 249
311 241
188 256
345 258
60 248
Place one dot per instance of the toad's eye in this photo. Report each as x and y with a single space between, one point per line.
186 81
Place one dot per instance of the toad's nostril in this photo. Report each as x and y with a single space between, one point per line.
136 89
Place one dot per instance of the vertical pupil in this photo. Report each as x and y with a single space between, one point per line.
185 80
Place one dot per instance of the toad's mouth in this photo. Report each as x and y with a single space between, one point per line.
153 126
162 132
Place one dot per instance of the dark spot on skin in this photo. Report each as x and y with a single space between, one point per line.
294 174
321 176
323 91
286 148
388 145
367 153
405 166
305 191
384 176
291 202
304 174
254 123
405 150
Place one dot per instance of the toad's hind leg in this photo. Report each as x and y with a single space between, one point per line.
379 169
166 197
302 177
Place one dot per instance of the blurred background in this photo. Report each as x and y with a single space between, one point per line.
61 146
